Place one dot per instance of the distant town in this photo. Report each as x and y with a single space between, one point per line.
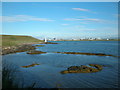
82 39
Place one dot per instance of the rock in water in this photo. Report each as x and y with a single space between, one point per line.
35 52
32 65
83 69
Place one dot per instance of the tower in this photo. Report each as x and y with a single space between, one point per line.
45 40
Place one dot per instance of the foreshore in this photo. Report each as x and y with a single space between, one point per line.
14 49
20 48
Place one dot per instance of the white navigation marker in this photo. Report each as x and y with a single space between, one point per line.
45 40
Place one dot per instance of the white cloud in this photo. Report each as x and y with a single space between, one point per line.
87 19
83 28
65 24
84 10
83 22
89 29
80 9
22 18
92 19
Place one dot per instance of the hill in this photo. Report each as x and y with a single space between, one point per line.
14 40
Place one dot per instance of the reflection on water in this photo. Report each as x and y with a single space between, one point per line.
47 74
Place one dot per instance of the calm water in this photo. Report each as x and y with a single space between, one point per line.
47 74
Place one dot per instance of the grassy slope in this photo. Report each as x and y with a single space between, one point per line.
14 40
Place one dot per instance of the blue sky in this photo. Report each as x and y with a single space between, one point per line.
60 19
60 0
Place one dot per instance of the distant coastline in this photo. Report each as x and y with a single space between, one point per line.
91 40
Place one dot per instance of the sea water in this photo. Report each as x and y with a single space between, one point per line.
47 74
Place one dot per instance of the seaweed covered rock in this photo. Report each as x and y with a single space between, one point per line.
24 48
14 49
32 65
82 53
83 69
39 45
8 50
99 67
48 43
35 52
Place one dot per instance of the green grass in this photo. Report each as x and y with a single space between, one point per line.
14 40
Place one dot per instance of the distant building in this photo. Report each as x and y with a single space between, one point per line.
99 38
54 39
45 40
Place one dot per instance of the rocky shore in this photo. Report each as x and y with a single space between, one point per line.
83 69
14 49
22 48
48 43
35 52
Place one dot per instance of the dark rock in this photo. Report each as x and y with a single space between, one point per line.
48 43
24 48
73 68
8 50
99 67
14 49
83 69
35 52
39 45
32 65
80 53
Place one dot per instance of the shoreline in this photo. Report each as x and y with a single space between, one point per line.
14 49
26 47
21 48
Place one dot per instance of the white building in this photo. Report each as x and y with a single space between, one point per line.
45 40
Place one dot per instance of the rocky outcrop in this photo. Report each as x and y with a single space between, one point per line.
35 52
32 65
99 67
14 49
24 48
39 45
48 43
7 50
81 53
83 69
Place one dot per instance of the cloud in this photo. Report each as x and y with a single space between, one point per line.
87 19
22 18
65 24
92 19
80 9
83 28
89 29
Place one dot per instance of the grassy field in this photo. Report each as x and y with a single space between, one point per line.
14 40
